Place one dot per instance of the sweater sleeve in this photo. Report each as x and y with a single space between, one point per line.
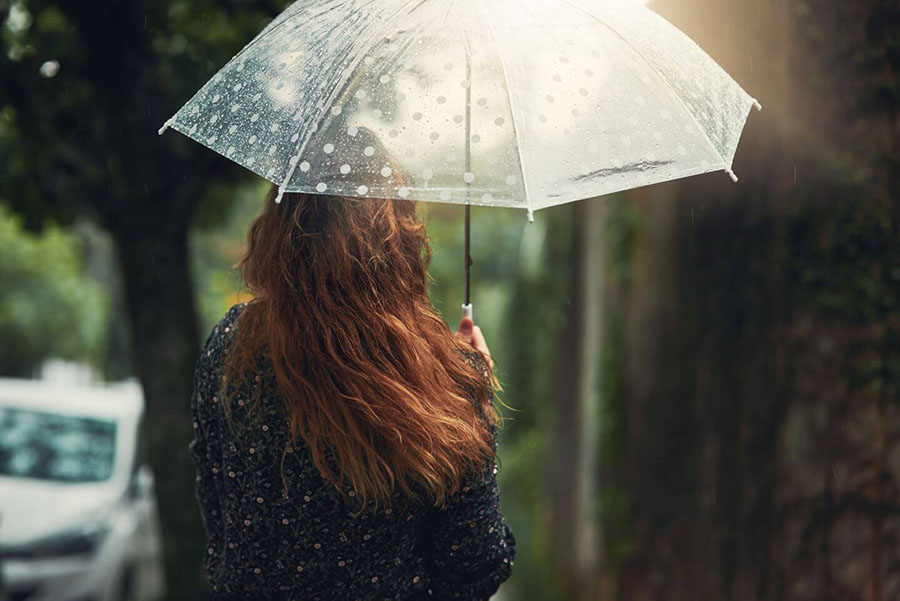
471 545
204 445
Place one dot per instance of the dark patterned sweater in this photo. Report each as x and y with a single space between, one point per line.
277 530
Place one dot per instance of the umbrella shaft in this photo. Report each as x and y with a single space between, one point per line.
468 256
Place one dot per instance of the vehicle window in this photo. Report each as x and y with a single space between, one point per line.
49 446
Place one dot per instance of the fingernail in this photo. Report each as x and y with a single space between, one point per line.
465 326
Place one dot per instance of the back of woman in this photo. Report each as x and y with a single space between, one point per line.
345 439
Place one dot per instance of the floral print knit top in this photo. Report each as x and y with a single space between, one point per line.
278 530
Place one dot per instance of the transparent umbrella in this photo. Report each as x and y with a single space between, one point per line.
510 103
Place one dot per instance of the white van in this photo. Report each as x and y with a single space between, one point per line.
78 513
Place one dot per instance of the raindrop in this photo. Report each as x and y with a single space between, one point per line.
345 169
417 116
369 151
328 148
510 180
441 99
382 79
386 171
377 113
275 127
235 107
232 129
253 139
216 98
457 118
393 133
476 138
362 189
361 94
304 166
549 98
254 118
213 119
487 197
482 101
295 137
427 174
469 177
499 121
336 110
352 131
434 135
321 186
403 192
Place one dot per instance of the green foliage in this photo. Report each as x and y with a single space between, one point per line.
218 241
48 307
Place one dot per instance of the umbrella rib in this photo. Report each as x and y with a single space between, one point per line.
727 164
512 111
344 78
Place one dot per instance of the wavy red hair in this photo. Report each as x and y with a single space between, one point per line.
367 370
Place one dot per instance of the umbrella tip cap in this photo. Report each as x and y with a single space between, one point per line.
757 104
731 174
279 196
530 215
164 127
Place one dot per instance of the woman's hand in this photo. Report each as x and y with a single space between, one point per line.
471 333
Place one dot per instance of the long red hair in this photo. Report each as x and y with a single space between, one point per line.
367 370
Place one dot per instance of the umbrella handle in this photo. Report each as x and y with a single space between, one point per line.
467 311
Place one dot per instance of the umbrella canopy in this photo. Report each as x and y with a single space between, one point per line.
513 103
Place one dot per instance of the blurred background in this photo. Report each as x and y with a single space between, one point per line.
704 374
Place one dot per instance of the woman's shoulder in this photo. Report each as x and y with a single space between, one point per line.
217 337
232 315
476 360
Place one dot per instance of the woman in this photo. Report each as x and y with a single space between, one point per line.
345 439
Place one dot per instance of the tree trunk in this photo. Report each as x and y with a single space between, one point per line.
160 304
574 444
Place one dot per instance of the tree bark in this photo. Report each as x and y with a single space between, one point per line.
160 304
574 439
